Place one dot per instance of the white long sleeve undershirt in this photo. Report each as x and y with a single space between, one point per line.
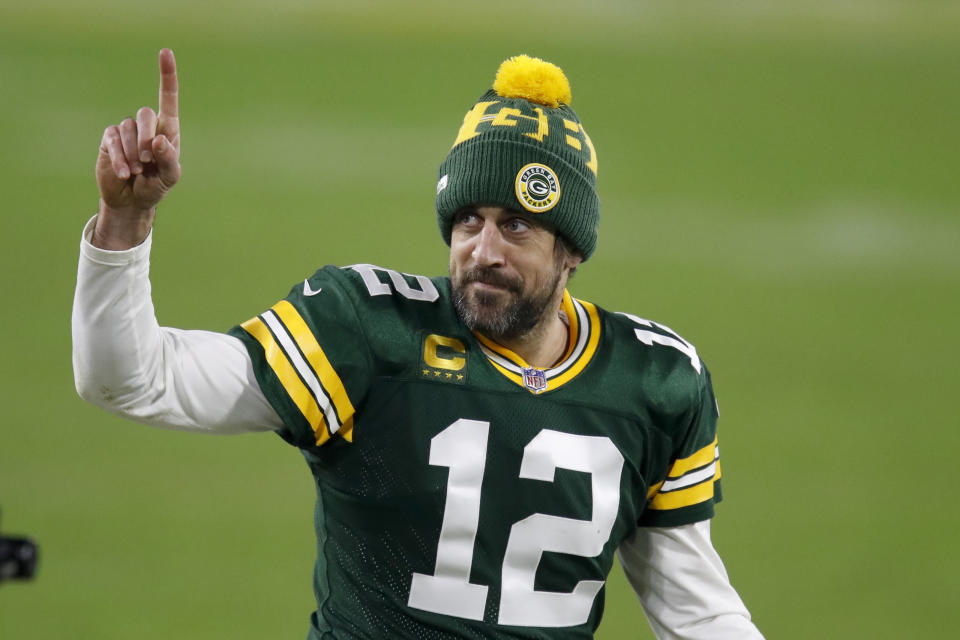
126 363
683 586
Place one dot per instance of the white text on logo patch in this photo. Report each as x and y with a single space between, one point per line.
537 188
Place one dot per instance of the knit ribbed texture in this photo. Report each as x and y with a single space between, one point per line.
483 169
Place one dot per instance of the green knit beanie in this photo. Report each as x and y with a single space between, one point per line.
523 148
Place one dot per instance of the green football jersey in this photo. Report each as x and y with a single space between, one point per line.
460 492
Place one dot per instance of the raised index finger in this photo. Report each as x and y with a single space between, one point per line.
168 123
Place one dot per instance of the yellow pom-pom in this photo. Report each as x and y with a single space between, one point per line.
532 79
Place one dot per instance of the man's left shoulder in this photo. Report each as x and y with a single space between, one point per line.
650 341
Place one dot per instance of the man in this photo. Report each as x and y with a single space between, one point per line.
482 444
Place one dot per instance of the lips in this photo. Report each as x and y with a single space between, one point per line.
486 287
490 279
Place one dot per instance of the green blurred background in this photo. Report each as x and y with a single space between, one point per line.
780 184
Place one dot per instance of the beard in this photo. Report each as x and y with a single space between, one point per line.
506 314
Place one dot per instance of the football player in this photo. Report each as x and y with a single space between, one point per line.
482 444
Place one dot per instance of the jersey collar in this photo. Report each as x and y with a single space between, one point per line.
583 325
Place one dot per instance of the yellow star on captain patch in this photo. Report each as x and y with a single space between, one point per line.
459 376
449 375
436 373
426 372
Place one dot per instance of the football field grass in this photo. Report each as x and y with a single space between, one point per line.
779 185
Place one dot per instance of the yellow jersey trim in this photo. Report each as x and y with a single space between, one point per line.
591 348
311 349
700 458
684 498
573 324
690 480
582 318
288 377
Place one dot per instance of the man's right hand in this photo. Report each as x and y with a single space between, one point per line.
138 163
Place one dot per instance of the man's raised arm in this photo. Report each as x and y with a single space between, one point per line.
123 360
138 164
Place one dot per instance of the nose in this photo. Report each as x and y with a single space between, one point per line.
488 246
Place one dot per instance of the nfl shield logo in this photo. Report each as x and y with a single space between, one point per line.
535 380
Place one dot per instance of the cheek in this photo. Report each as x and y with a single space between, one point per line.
452 269
540 269
459 255
455 265
547 280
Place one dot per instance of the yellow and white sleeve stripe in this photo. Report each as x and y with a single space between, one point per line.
690 480
303 369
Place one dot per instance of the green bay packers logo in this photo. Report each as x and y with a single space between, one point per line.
537 188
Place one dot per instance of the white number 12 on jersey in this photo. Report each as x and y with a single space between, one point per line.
463 448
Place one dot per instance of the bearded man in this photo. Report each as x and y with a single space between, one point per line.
482 445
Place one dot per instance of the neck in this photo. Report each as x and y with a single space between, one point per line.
545 343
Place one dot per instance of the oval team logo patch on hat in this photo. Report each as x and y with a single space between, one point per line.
537 187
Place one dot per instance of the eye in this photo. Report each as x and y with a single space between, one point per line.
516 225
465 218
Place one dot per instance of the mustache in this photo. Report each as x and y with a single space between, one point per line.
487 275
